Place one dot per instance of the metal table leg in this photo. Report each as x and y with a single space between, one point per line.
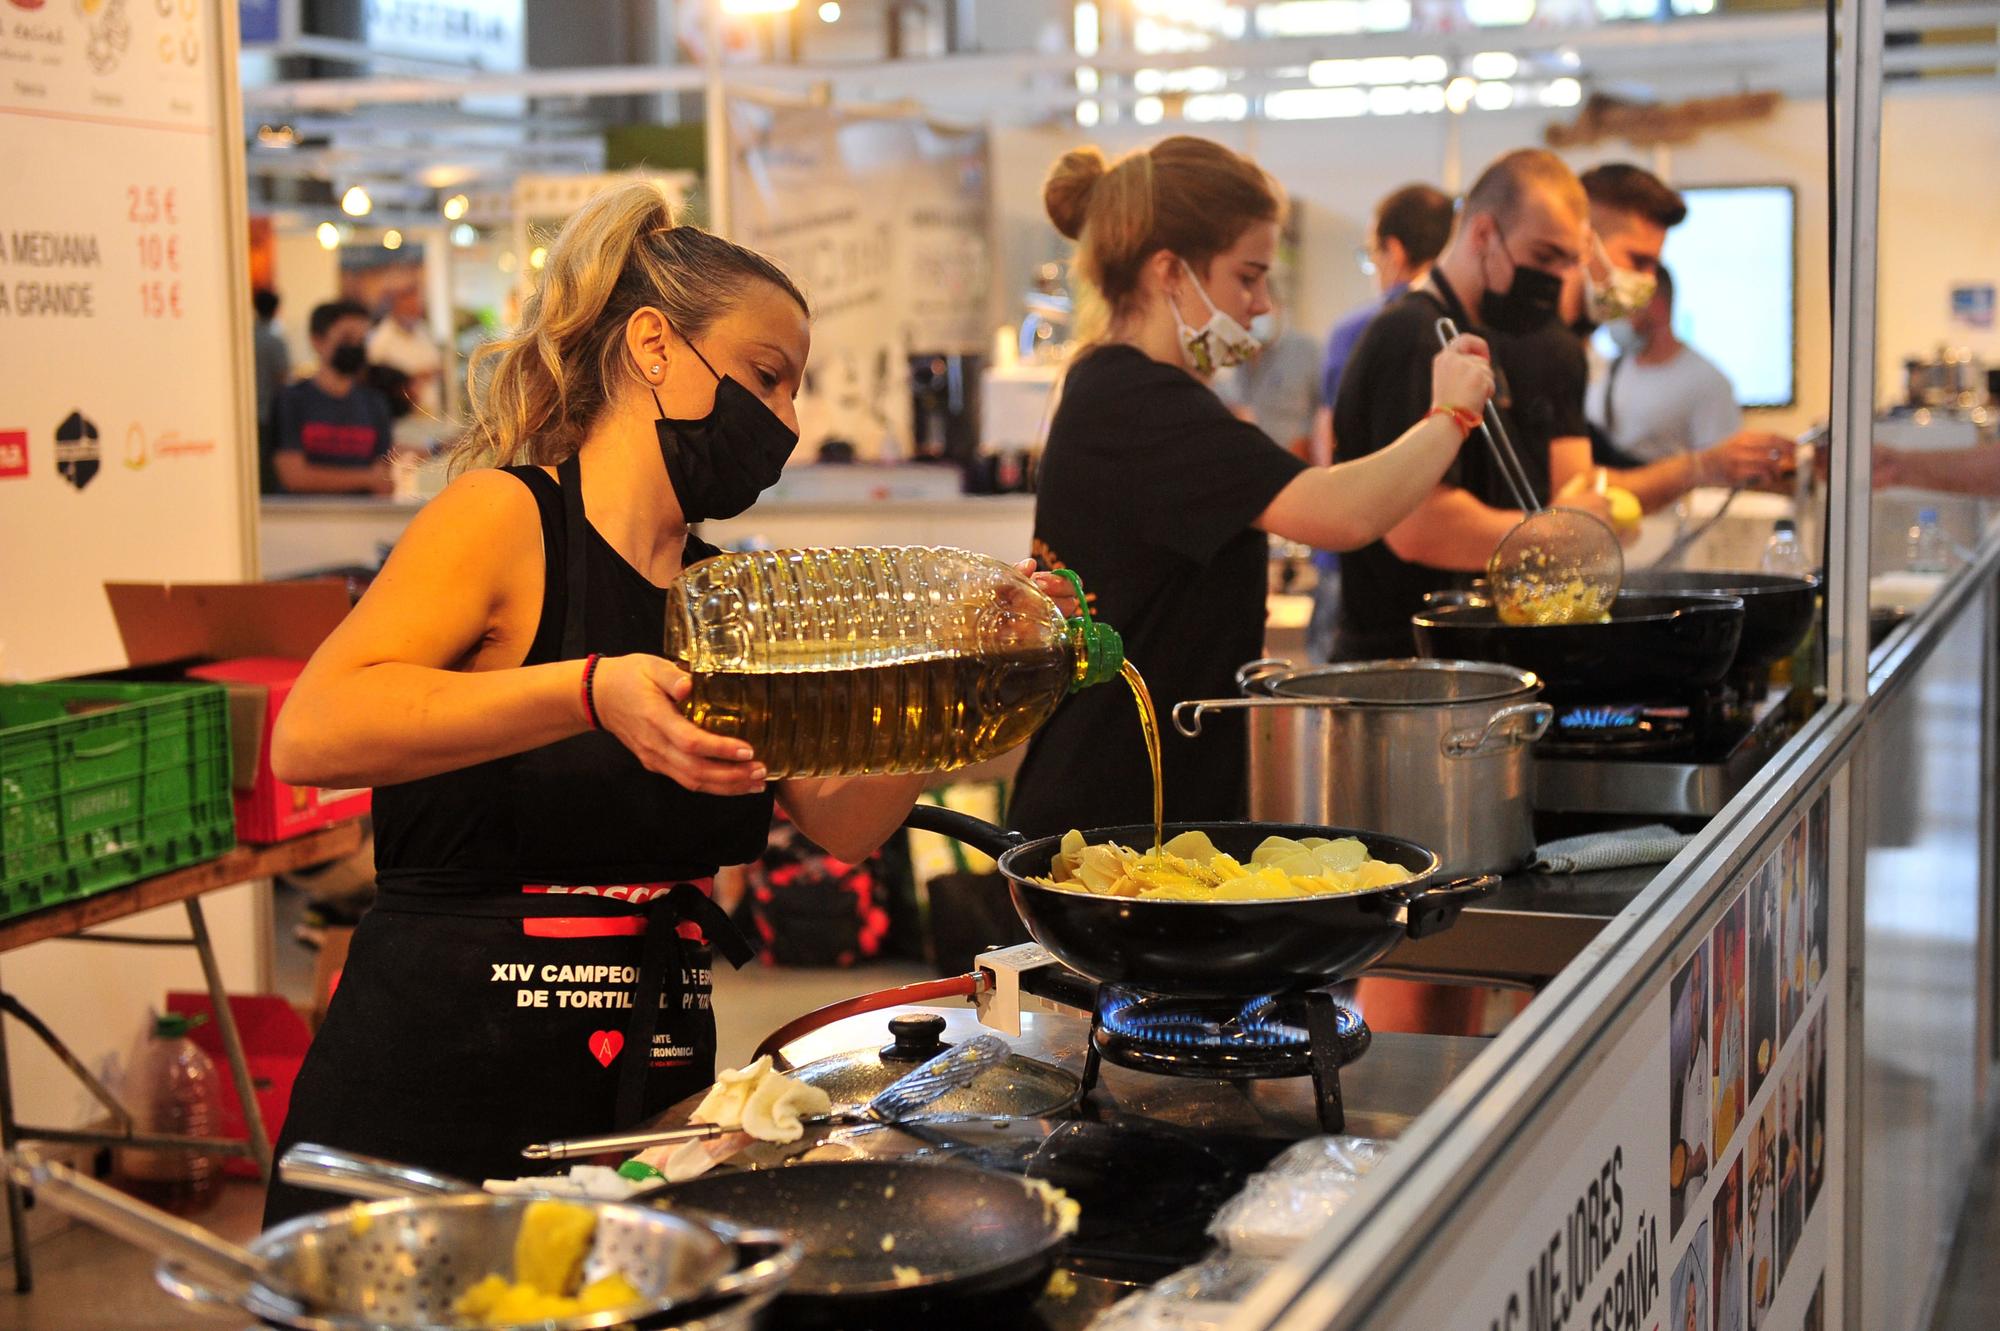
17 1220
232 1042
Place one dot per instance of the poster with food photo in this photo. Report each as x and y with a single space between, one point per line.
1687 1293
1790 1148
1818 851
1728 1299
1690 1073
1727 1023
1760 1217
1792 930
1815 1108
1762 972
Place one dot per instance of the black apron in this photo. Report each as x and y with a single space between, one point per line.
482 1009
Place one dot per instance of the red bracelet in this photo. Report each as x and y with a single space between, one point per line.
590 692
1466 421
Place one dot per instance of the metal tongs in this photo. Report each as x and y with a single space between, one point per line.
931 1080
1549 550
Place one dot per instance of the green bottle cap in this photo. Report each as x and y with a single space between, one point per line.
174 1025
1100 651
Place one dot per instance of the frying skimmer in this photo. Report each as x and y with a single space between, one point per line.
1558 565
932 1079
402 1264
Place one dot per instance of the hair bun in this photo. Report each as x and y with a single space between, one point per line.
1066 193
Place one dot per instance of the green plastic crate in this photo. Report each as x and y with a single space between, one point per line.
104 784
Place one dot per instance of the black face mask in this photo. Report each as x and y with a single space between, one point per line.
722 462
1529 303
349 358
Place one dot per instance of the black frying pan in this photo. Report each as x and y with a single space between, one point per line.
1651 647
980 1243
1216 948
1778 610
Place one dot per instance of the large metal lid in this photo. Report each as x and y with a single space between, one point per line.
1018 1088
1404 682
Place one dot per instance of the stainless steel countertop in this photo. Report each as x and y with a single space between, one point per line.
1527 931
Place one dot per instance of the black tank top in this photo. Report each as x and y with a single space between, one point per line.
582 810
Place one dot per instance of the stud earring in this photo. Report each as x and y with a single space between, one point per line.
656 369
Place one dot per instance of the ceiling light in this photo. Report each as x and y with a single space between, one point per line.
1088 114
1429 69
329 236
464 234
742 7
456 207
1458 94
1500 65
538 257
1493 96
1149 110
829 12
1562 92
392 239
356 203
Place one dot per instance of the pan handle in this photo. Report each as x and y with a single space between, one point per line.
1188 715
975 832
1434 907
1523 723
1266 666
308 1165
766 1257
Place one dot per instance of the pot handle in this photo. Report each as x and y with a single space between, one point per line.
1508 728
974 832
1188 715
1262 668
1434 907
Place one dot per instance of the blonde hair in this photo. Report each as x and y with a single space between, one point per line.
1187 195
619 254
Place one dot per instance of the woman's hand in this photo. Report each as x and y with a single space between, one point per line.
1053 586
1462 375
637 700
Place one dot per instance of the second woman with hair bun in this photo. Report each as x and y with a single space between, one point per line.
1161 498
547 823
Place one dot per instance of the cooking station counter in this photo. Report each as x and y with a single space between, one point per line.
1532 926
1162 1147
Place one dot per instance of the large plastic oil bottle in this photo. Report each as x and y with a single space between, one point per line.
876 659
173 1090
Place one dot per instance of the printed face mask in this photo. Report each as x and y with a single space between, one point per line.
722 462
1611 292
1220 342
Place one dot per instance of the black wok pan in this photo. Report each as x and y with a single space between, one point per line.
1778 610
1216 948
980 1243
1651 647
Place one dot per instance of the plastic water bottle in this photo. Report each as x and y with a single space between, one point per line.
1783 553
172 1090
876 659
1929 552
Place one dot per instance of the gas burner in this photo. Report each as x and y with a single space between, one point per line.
1619 729
1230 1038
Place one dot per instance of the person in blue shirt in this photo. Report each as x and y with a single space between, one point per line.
1404 239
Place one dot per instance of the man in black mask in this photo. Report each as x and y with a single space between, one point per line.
1522 229
332 432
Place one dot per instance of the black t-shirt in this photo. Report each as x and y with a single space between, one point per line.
1148 489
349 431
1386 389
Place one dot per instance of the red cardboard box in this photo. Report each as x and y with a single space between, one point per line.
274 1048
266 808
253 637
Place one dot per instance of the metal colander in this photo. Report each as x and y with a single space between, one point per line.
400 1265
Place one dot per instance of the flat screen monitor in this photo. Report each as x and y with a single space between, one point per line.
1734 263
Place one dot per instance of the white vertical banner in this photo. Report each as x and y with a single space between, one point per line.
882 219
120 233
1691 1179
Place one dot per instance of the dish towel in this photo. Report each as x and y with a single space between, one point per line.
1656 843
